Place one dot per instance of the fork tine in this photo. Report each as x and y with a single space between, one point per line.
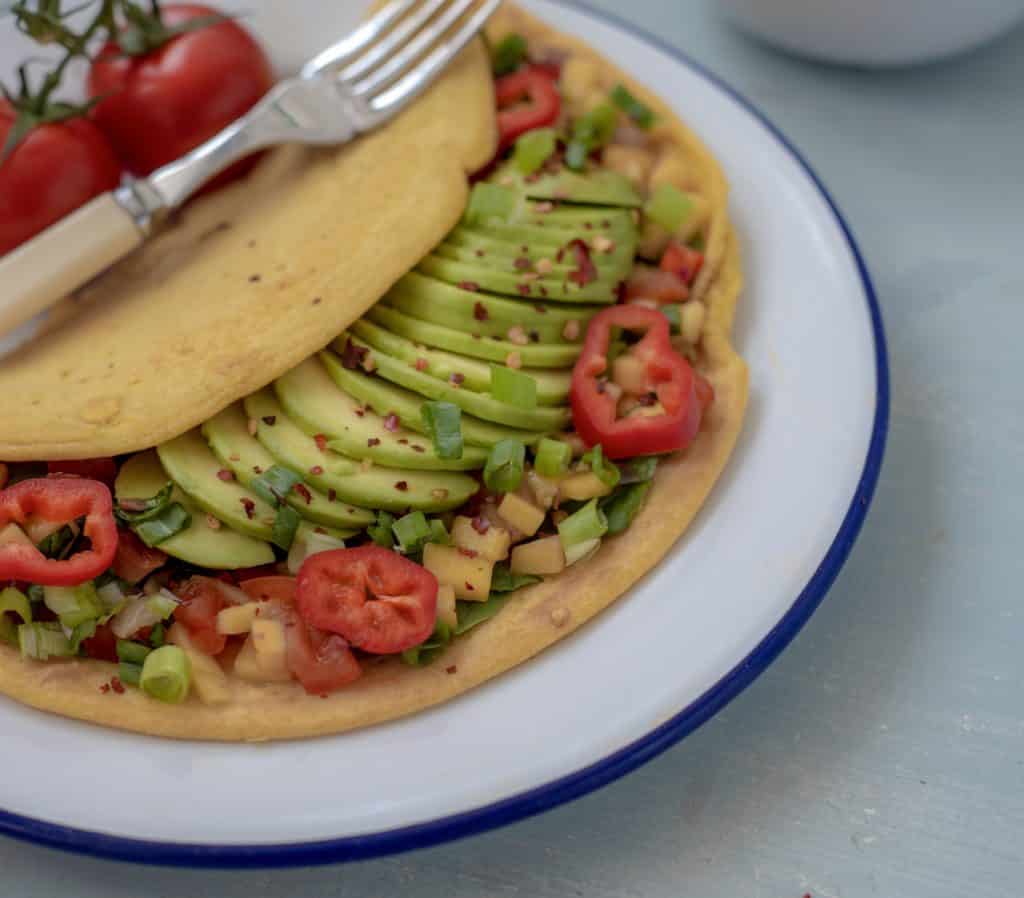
401 60
391 42
412 84
344 50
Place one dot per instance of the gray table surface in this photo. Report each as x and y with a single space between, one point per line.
883 753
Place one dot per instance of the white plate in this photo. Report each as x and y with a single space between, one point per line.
698 629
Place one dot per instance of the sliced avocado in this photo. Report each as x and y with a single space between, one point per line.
244 455
386 397
555 286
595 187
142 476
193 467
552 386
479 313
308 527
312 399
508 257
535 355
481 405
374 487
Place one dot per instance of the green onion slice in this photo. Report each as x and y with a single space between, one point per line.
13 601
73 604
487 201
669 207
129 674
552 457
411 531
639 112
443 421
513 387
166 674
509 54
533 149
274 485
157 635
504 468
42 641
595 129
132 652
586 524
169 522
605 470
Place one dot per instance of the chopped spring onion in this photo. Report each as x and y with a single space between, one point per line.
439 533
640 112
380 532
16 602
604 470
552 457
487 201
310 543
411 531
590 132
157 635
513 387
533 149
669 207
143 611
80 633
580 551
73 604
286 524
504 468
128 673
622 506
42 641
638 470
132 652
576 155
509 54
671 312
111 595
274 484
582 526
166 674
443 421
170 521
35 593
134 511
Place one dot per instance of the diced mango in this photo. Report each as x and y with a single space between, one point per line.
468 575
544 489
208 680
236 619
269 641
492 544
691 320
446 605
521 515
582 486
251 665
541 556
630 373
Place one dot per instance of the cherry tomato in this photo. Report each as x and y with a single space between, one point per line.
134 560
51 172
201 602
158 106
527 99
102 469
378 600
653 283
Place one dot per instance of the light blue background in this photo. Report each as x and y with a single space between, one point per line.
883 754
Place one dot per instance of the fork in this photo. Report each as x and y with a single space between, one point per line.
353 86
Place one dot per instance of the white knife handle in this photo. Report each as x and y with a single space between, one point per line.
40 273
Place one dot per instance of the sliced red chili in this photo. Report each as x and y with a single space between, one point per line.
527 99
682 261
672 380
378 600
58 500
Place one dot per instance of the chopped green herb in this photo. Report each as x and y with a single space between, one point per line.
513 387
487 201
509 54
286 525
638 470
622 506
503 580
669 207
639 112
170 520
274 485
604 470
504 468
552 457
380 532
411 531
589 523
439 533
533 149
443 421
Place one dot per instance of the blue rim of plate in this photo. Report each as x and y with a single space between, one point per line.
600 773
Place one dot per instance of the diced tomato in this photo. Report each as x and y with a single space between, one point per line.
321 662
201 602
134 560
653 283
527 99
264 588
682 261
250 573
102 469
102 645
378 600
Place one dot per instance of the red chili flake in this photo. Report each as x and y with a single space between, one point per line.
586 273
303 491
560 255
480 254
249 506
469 586
360 412
321 442
457 378
522 264
373 441
391 422
605 223
587 226
416 448
316 470
539 309
620 291
117 685
480 312
469 553
257 469
403 442
225 475
270 420
105 688
401 486
450 670
352 356
332 495
471 286
422 364
543 291
534 337
481 525
317 530
524 248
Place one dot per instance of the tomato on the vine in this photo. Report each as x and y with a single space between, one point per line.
157 106
53 170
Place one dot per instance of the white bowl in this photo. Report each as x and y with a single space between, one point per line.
875 32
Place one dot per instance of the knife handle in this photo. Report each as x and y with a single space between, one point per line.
40 273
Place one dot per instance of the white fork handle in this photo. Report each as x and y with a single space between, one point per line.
40 273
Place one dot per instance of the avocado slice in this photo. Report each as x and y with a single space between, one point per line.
385 396
193 467
481 405
595 187
552 386
479 313
374 487
317 404
534 355
244 455
509 257
142 476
